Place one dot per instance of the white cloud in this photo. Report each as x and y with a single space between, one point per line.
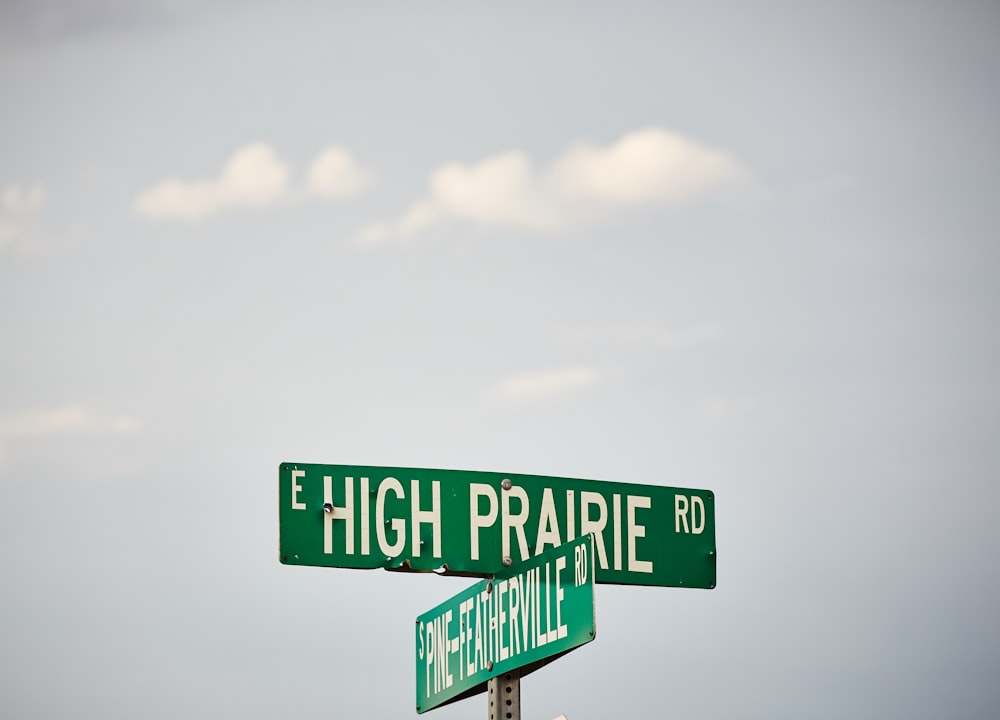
534 385
8 233
17 200
647 167
253 177
501 190
68 420
334 173
20 209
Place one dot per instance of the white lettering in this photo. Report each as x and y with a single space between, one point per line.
430 517
438 658
345 513
366 540
514 599
444 644
540 638
548 524
561 630
477 521
296 489
570 516
587 500
550 632
491 635
696 527
460 640
514 522
398 524
480 661
526 611
430 657
470 665
636 531
501 589
616 505
680 513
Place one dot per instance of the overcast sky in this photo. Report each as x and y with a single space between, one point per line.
748 249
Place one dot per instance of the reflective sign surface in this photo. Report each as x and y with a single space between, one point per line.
464 522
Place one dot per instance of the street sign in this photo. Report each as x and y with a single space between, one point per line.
527 616
466 523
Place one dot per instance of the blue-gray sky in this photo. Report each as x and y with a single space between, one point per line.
752 249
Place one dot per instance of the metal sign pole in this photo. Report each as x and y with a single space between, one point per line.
504 694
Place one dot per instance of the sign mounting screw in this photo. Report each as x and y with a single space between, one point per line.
506 484
507 561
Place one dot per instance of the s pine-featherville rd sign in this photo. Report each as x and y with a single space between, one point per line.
524 617
478 523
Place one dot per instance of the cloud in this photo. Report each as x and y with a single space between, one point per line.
20 210
68 420
334 173
19 200
64 422
501 190
647 167
543 384
254 177
8 233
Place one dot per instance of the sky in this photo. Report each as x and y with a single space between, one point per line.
746 249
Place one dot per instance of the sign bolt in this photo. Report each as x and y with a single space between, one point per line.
489 666
328 507
506 484
507 561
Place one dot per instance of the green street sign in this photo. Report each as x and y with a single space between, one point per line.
525 617
466 523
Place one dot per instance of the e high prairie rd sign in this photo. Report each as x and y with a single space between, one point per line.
476 523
